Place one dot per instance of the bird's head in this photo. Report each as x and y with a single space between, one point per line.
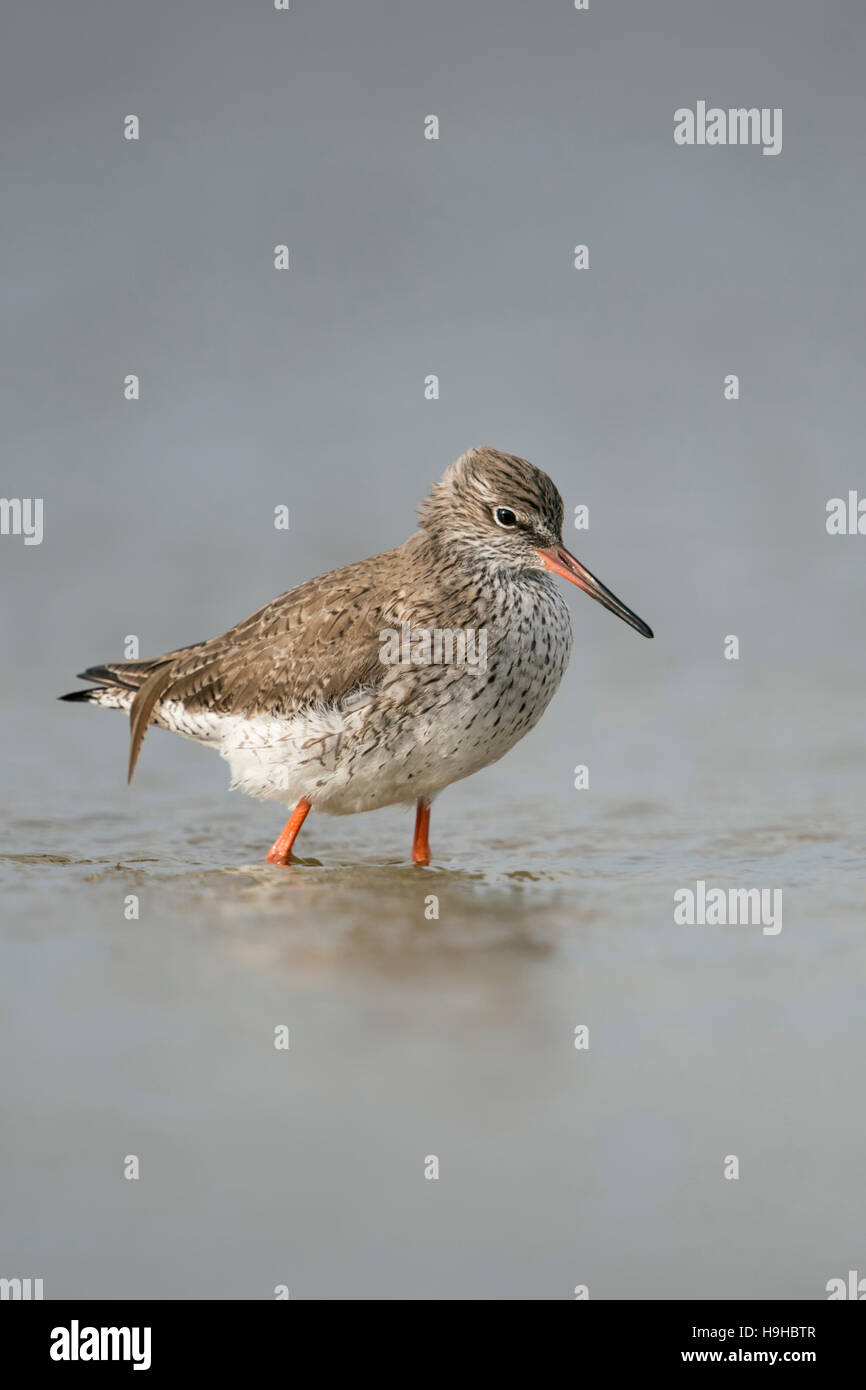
503 514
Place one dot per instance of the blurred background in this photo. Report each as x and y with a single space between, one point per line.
451 1037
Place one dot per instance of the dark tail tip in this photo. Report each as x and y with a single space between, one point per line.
80 695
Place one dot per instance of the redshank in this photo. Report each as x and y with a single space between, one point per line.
385 681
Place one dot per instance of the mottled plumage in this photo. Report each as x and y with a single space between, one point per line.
298 698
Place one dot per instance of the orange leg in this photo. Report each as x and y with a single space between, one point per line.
420 844
280 851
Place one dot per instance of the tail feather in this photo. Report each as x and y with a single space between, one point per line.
129 675
85 695
145 699
144 681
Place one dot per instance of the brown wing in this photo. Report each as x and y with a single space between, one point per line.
318 642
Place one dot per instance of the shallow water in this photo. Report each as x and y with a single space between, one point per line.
412 1037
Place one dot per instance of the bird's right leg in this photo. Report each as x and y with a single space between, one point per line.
280 851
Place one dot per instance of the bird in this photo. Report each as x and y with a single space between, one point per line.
383 682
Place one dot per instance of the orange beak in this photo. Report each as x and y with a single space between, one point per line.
561 561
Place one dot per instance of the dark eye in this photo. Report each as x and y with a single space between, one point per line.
503 516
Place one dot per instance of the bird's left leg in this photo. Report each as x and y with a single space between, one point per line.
421 844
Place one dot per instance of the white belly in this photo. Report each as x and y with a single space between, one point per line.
424 728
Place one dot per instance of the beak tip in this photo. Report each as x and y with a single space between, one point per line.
562 562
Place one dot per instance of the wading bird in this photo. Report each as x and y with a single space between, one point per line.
300 700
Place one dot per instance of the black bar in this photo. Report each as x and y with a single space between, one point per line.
221 1338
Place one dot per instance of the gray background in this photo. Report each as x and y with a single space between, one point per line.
412 257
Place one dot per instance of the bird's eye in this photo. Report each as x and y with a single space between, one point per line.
504 516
